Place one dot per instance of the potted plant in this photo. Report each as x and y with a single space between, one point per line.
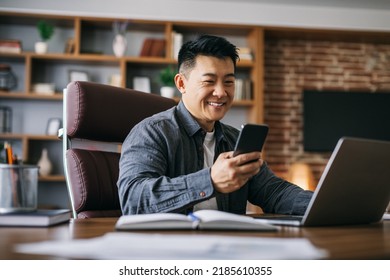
167 76
46 30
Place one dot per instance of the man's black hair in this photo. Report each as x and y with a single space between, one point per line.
207 45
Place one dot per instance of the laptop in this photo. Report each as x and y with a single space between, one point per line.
353 189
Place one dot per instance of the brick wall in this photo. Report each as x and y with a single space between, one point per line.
294 65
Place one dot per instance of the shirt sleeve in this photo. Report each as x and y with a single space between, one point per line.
276 195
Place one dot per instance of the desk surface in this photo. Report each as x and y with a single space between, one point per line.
346 242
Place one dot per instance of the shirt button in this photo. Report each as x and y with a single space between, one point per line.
202 194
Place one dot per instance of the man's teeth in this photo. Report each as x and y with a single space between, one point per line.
217 104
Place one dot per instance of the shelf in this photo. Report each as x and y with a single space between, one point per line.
42 137
243 103
52 178
32 137
11 136
18 56
92 53
31 96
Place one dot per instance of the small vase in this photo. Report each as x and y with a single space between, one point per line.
41 47
168 92
119 45
44 164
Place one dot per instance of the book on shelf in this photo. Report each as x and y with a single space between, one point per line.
198 220
243 89
153 47
177 42
146 47
245 53
158 48
10 46
37 218
44 88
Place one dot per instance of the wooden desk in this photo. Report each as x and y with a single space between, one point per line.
349 242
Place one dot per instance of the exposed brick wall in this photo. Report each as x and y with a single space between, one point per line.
294 65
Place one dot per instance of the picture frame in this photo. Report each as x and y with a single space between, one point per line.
142 84
53 125
77 75
115 80
69 46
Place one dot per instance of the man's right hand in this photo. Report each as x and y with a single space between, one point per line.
230 173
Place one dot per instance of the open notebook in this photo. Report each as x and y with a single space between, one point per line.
353 189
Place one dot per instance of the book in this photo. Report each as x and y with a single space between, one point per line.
37 218
177 42
245 53
146 47
10 46
44 88
158 48
153 47
199 220
243 89
238 89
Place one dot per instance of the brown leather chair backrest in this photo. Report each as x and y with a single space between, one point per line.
96 118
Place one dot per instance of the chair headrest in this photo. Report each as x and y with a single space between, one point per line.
107 113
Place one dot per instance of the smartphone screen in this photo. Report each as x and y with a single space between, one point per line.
251 138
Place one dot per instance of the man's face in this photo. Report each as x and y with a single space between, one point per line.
208 89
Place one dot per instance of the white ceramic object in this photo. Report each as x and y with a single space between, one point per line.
41 47
44 164
119 45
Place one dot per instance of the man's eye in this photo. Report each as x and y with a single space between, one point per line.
208 81
229 83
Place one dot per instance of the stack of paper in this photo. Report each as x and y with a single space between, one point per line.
122 245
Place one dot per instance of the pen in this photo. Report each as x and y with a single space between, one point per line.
193 217
8 155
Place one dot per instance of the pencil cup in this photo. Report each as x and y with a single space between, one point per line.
18 188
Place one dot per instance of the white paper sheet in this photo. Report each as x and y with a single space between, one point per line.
125 245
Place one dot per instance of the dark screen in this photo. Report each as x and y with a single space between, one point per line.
328 116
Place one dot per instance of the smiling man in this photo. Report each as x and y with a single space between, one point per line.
181 160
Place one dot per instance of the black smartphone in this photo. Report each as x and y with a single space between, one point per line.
251 138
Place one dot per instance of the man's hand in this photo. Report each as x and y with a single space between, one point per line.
230 173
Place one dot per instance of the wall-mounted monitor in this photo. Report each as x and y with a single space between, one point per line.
330 115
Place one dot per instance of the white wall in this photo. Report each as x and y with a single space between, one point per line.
214 11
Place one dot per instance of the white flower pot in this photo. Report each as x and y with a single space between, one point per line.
41 47
168 92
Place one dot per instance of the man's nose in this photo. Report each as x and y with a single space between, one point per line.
219 90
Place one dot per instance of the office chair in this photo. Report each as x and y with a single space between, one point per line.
97 119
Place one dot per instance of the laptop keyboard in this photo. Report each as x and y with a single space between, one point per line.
281 217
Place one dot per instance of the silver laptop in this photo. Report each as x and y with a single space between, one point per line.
353 189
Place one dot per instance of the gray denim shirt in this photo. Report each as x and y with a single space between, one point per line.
161 170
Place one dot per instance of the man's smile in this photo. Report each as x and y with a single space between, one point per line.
216 104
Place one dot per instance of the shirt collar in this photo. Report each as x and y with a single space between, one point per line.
191 126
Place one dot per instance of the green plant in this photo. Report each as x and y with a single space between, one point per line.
45 29
167 76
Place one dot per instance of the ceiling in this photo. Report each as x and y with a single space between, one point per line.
362 4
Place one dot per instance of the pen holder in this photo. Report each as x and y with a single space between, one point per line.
18 188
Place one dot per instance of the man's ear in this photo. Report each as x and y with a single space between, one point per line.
180 83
